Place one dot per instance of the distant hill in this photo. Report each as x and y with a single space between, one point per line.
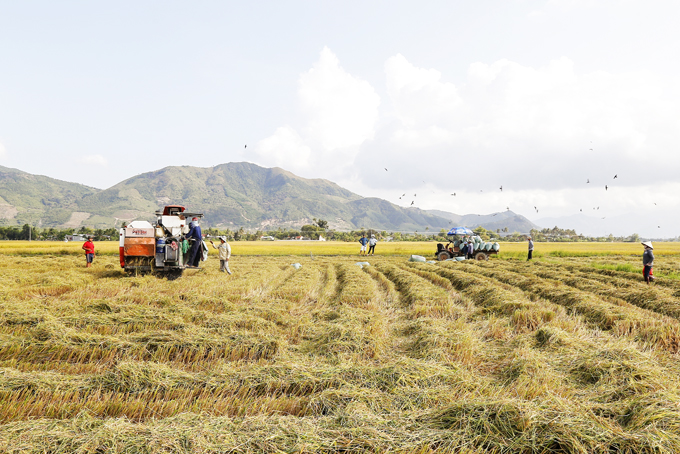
38 200
230 195
495 221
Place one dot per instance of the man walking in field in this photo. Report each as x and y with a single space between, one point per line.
647 261
531 248
371 245
224 252
88 247
364 241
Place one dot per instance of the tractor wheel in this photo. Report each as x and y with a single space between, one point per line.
443 255
481 256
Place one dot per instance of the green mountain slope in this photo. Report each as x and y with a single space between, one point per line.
230 195
36 199
246 195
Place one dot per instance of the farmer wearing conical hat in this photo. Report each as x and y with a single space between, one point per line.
224 251
647 261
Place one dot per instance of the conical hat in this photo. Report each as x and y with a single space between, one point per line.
648 244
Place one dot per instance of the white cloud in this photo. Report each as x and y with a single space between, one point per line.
541 132
285 149
94 159
341 109
339 113
531 128
423 104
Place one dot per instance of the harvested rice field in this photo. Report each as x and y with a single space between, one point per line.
561 354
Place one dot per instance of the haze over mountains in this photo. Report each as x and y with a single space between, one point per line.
231 195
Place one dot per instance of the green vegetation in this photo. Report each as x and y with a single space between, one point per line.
562 354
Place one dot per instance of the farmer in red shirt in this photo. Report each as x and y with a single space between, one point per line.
88 246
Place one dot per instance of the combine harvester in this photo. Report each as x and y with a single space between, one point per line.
456 237
157 248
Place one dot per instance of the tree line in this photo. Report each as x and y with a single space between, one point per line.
320 228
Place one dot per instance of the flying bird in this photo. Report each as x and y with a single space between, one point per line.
581 210
385 169
588 180
454 194
507 208
246 146
606 187
501 188
616 176
403 194
412 202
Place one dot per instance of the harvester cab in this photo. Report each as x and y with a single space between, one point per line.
159 247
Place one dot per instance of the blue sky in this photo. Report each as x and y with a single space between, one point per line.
540 95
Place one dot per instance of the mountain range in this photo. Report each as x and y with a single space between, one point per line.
231 195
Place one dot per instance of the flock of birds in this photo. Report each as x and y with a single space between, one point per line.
606 188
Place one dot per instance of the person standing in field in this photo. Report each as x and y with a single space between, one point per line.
224 252
647 261
88 247
471 249
196 238
371 245
364 241
531 248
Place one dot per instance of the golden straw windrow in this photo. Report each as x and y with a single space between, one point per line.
494 357
654 329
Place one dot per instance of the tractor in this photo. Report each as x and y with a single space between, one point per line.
457 239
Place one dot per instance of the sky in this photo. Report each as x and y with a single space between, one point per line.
552 100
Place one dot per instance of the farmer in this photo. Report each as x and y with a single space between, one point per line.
531 248
371 245
647 261
196 239
364 241
224 251
88 247
471 249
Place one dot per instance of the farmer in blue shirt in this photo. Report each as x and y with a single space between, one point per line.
364 241
196 239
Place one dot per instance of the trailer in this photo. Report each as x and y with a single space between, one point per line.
457 237
158 248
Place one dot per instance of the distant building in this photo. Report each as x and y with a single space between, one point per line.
78 237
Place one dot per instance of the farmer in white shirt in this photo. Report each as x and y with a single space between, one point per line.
224 251
371 245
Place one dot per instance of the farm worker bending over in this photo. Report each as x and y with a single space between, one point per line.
224 251
647 261
196 239
371 245
364 241
88 246
531 248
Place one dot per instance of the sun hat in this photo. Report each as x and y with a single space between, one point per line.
648 244
223 238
